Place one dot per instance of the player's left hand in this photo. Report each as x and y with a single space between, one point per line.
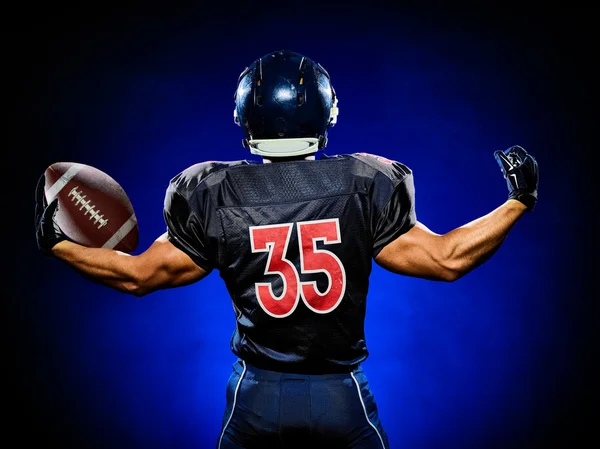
520 170
47 232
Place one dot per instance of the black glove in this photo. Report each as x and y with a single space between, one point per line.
520 170
47 232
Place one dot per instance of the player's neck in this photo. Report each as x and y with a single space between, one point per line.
309 157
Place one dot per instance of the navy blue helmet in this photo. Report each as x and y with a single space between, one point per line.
285 104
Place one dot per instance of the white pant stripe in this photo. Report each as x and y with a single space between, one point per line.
237 387
365 410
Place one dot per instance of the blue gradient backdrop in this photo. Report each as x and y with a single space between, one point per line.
498 359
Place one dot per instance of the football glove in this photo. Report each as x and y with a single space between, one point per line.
47 232
520 170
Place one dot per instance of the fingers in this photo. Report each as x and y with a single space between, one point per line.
518 150
40 195
51 209
532 161
46 224
531 165
516 155
40 199
503 161
511 158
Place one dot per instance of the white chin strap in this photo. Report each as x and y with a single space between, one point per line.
284 147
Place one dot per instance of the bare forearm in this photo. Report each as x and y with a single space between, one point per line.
161 266
470 245
104 266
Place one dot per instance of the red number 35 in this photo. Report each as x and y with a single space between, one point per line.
275 239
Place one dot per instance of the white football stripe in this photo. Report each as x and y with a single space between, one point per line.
62 181
121 233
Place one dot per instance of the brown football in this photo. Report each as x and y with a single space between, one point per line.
93 208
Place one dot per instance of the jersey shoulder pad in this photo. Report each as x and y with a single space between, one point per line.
394 170
189 179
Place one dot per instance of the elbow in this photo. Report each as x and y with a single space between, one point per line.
140 289
452 263
138 285
456 267
451 274
446 273
453 268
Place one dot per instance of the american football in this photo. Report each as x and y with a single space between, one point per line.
93 208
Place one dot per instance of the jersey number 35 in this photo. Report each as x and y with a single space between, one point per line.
274 239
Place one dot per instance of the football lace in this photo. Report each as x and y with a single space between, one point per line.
79 199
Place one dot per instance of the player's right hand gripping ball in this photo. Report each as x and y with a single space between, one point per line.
520 170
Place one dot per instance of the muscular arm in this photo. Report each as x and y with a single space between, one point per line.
425 254
161 266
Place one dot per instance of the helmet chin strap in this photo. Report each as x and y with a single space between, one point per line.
284 147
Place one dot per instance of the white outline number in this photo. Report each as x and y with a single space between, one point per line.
275 240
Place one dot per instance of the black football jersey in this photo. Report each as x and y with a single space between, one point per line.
294 243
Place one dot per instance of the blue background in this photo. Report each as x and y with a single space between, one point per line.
499 359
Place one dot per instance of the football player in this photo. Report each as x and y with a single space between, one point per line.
294 238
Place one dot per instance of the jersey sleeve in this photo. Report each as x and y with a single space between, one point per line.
392 200
183 212
396 215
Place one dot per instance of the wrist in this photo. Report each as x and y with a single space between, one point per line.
516 205
62 249
527 199
513 202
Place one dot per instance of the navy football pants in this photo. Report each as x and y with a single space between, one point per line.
266 409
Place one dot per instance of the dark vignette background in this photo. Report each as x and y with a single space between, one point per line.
68 72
